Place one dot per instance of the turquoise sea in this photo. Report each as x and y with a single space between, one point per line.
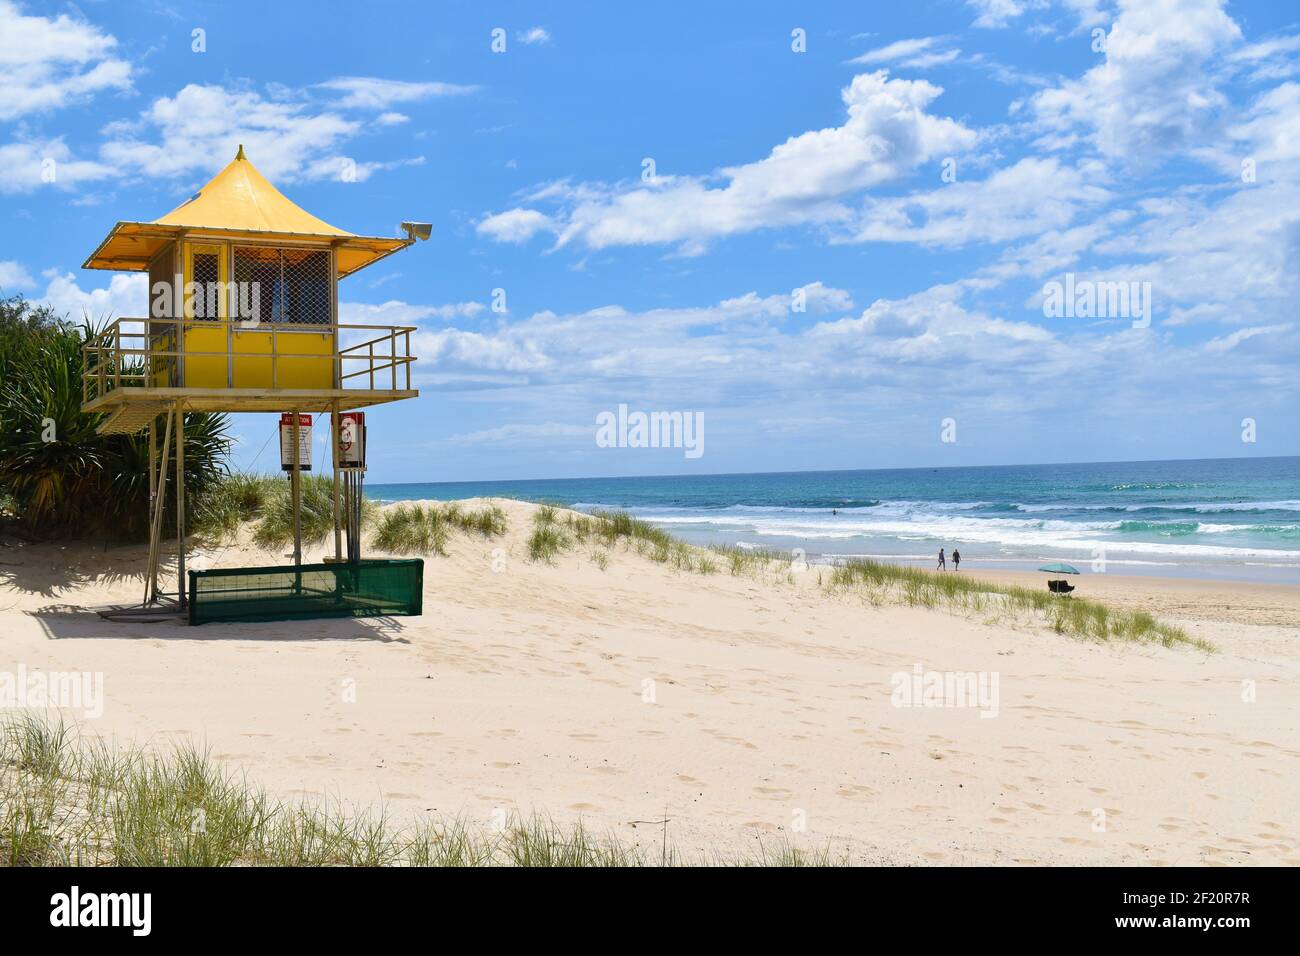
1235 518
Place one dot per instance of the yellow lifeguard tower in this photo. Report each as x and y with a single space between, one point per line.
243 317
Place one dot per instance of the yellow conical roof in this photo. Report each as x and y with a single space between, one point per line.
239 203
239 197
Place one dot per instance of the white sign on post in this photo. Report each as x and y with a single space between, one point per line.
286 442
352 440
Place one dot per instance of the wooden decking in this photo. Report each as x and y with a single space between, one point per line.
143 399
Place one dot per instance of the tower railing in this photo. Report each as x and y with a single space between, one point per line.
133 353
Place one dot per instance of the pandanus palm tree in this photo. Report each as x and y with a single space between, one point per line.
60 475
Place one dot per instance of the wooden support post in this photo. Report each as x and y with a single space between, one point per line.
151 582
181 595
153 455
335 425
295 490
158 488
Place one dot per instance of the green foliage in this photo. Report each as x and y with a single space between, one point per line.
1076 616
416 529
229 503
69 800
58 476
316 522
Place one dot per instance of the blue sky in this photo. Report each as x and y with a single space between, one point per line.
921 171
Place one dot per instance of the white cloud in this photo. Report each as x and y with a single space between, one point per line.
819 297
1228 343
284 131
49 164
394 312
1156 91
348 170
13 276
526 434
1090 13
515 225
47 63
919 51
198 130
1269 132
532 36
887 132
994 14
127 295
1032 196
373 93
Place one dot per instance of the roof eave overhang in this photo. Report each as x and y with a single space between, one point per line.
382 247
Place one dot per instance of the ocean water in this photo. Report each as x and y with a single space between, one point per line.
1216 518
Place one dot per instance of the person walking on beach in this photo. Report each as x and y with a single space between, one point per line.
941 566
956 560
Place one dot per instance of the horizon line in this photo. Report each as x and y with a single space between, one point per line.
817 471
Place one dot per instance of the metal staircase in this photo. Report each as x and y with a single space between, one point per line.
130 417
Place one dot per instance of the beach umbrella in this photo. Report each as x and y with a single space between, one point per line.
1059 568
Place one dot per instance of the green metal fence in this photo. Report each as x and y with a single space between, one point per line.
370 588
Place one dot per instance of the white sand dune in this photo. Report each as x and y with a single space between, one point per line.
527 687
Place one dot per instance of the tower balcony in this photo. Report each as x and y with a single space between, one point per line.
135 368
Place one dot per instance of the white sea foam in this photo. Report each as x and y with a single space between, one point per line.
1007 532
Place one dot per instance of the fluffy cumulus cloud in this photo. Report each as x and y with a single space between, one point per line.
886 133
50 62
1156 90
13 277
203 125
46 163
922 353
126 295
290 134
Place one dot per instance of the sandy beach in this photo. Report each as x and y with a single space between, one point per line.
738 709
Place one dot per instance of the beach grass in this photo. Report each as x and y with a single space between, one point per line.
420 529
1074 616
67 799
548 538
556 531
222 509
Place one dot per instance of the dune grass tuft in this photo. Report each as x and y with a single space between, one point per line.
68 800
416 529
275 529
1075 616
548 538
222 509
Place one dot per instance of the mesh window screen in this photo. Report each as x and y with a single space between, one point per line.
307 286
207 285
293 286
257 277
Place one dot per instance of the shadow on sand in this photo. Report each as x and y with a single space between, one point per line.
51 568
67 622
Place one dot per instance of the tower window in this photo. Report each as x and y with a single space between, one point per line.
292 286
